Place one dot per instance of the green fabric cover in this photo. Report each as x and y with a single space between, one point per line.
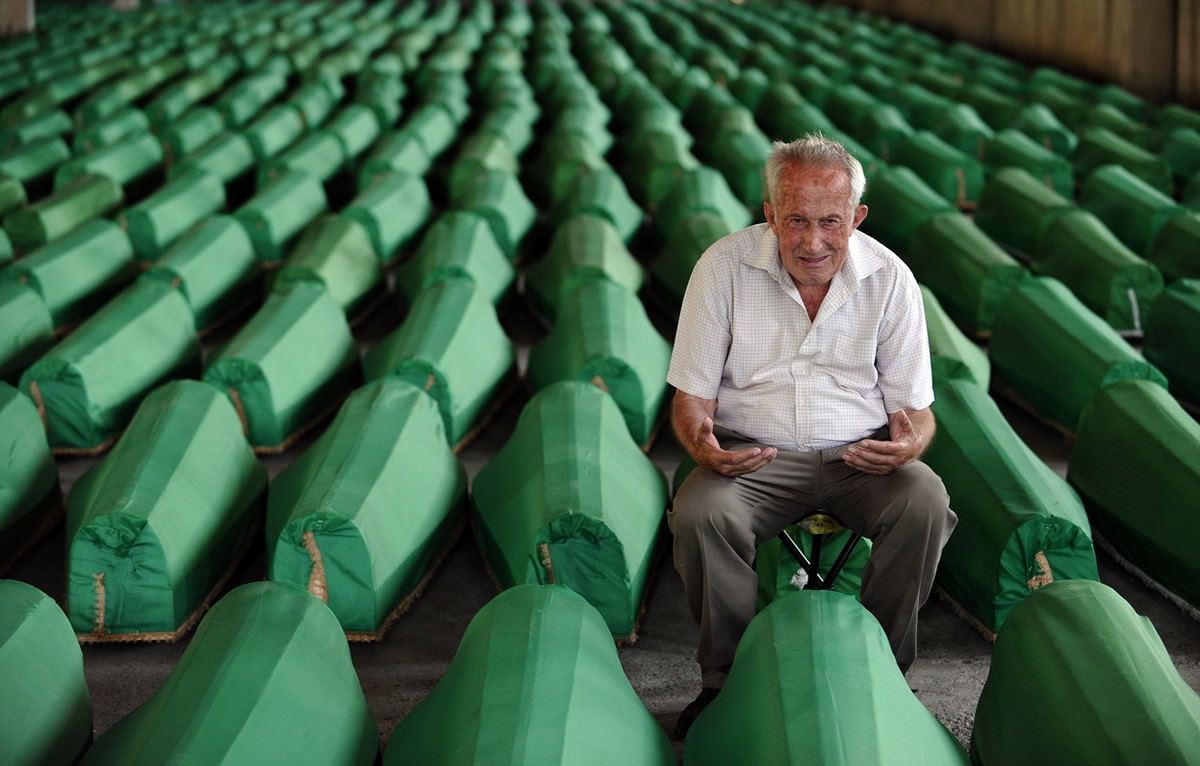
1056 354
49 124
814 681
740 155
480 152
571 500
336 252
188 134
1131 209
393 207
274 130
672 266
600 192
267 678
451 346
1106 692
654 163
78 272
83 200
316 99
1039 122
536 679
26 327
1100 146
776 568
125 162
700 190
119 125
1181 150
228 156
962 128
90 383
156 222
603 336
1171 342
952 173
1080 251
562 158
1013 148
35 162
954 355
1136 463
588 118
1176 248
900 202
401 151
1015 208
153 526
967 272
354 497
46 710
241 101
280 210
462 245
12 196
213 264
293 362
584 246
435 127
498 197
1020 525
319 153
28 475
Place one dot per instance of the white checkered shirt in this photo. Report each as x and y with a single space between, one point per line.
744 338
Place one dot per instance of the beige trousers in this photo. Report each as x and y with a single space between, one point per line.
718 523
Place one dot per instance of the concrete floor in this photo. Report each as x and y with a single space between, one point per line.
399 671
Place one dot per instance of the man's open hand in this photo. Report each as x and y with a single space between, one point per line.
911 431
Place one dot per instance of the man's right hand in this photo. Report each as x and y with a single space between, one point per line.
693 421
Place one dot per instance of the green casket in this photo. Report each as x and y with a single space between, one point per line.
156 222
571 500
26 328
117 126
457 244
1176 248
451 346
1105 689
266 679
1012 148
1020 526
1015 208
498 197
1100 146
130 162
88 386
289 366
279 212
562 159
46 710
1082 253
155 527
814 681
191 132
336 252
603 336
29 493
536 680
1055 354
968 272
480 152
600 192
229 156
393 207
69 208
655 162
319 153
274 131
585 246
400 151
740 154
364 516
78 273
952 173
1171 342
1132 209
700 190
214 265
954 354
672 268
900 203
1136 463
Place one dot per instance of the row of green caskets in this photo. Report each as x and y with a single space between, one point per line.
536 679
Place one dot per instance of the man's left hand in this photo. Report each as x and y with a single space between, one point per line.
911 431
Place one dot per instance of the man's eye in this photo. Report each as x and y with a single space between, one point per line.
830 223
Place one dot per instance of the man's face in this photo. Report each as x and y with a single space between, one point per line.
813 218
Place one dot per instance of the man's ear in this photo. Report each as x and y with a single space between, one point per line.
769 214
860 213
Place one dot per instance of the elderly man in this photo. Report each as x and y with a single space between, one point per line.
802 375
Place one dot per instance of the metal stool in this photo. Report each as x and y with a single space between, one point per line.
818 524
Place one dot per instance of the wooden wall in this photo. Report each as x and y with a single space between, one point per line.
1151 47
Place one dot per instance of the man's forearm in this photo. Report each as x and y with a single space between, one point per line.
687 413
